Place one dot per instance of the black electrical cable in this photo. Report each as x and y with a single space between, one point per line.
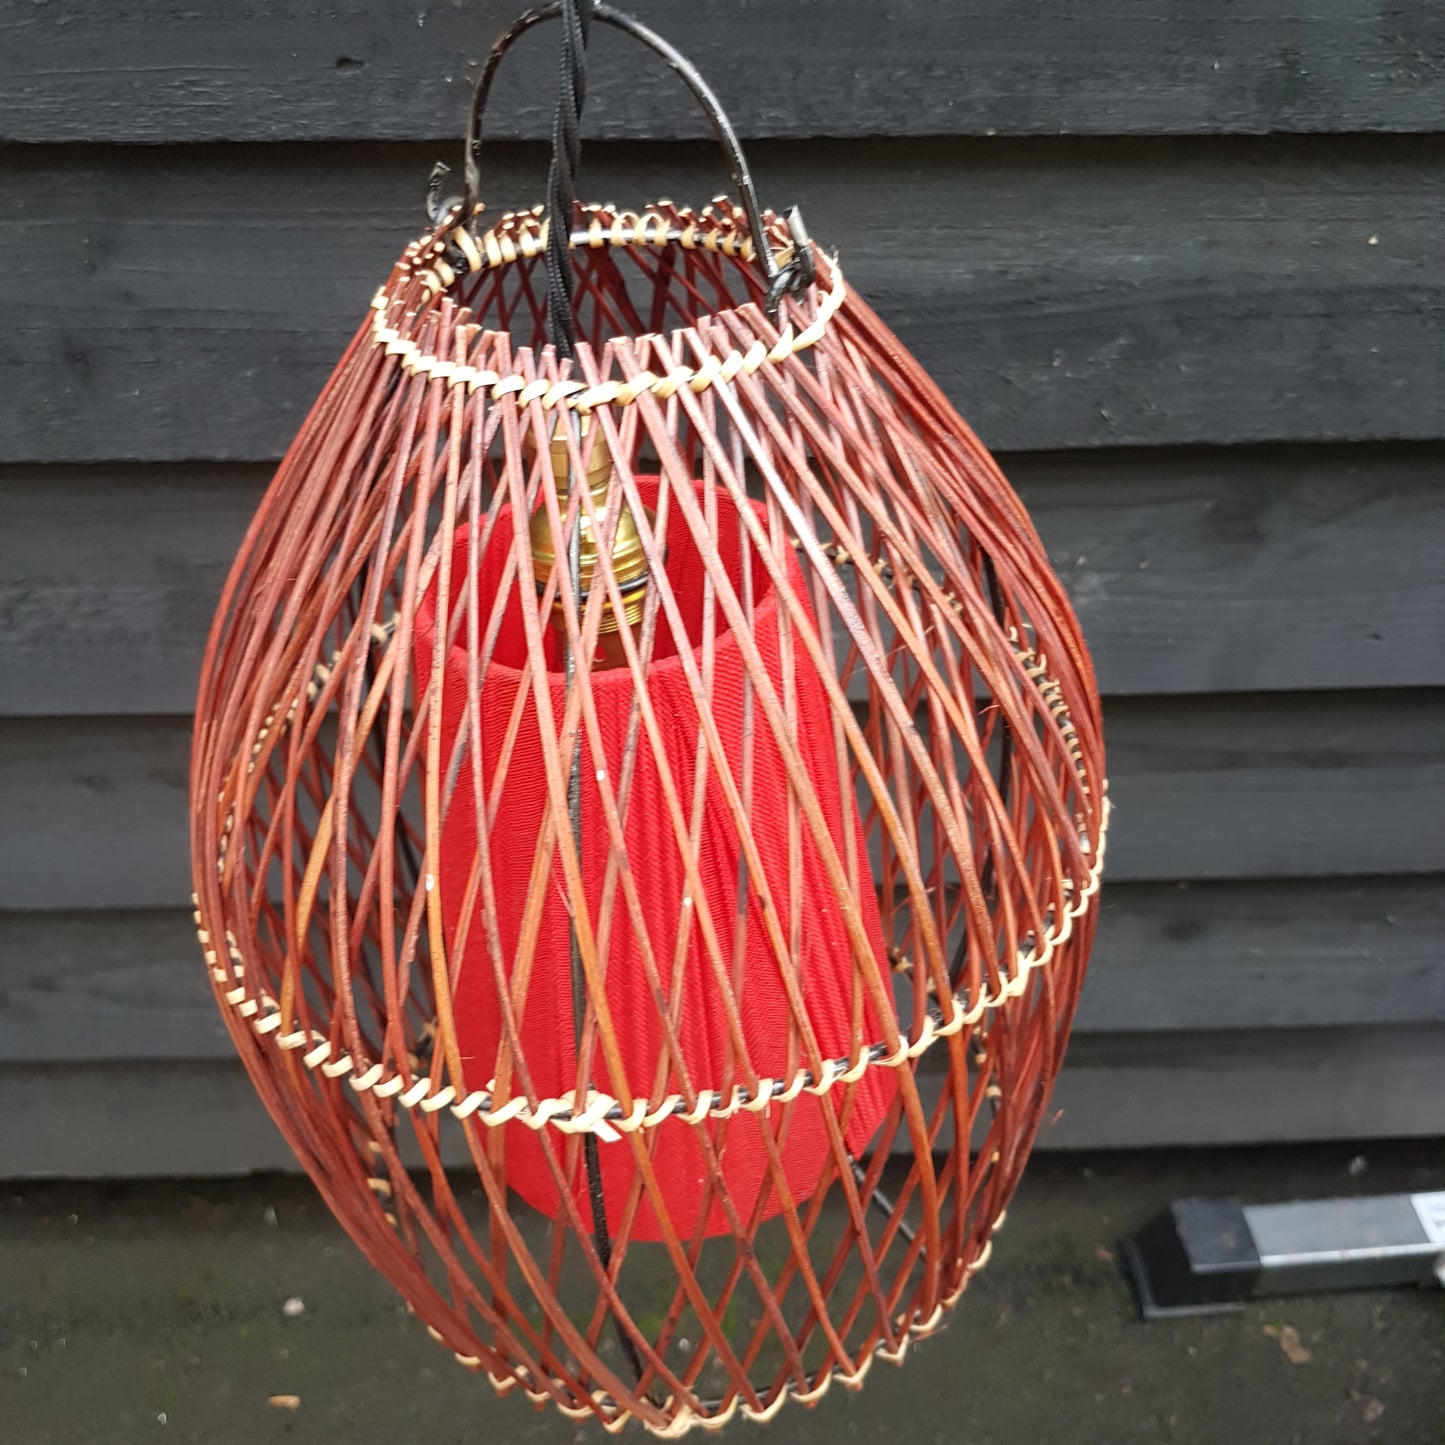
576 18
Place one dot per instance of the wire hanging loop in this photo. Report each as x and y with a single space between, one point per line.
779 280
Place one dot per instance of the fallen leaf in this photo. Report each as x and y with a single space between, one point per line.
1104 1256
285 1402
1294 1348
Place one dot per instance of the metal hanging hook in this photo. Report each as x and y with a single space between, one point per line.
778 279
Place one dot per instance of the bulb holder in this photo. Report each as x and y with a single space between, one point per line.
628 561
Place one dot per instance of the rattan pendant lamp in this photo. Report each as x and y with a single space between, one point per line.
648 802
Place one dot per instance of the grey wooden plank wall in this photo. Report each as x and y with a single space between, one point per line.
1182 265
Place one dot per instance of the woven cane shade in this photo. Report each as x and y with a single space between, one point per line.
663 980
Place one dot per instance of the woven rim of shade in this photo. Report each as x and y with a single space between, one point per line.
424 274
686 1419
601 1113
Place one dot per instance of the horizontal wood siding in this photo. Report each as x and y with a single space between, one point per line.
1258 785
186 303
1267 954
1182 265
1180 564
163 70
106 1120
123 985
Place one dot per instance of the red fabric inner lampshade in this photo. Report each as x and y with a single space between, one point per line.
835 1001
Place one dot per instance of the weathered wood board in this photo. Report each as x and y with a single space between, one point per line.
1181 566
1170 957
164 70
188 303
1260 785
159 1118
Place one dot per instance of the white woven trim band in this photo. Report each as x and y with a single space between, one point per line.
577 395
601 1113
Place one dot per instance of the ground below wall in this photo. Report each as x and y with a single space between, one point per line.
154 1312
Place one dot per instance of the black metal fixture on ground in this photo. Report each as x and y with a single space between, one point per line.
1203 1256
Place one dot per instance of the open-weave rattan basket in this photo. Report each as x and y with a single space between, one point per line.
432 781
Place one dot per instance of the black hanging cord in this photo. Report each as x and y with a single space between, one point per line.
576 18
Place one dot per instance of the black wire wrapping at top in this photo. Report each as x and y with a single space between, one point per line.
576 18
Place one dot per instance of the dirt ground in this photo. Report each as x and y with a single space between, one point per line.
156 1313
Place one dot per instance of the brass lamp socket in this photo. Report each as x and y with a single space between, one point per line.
628 560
